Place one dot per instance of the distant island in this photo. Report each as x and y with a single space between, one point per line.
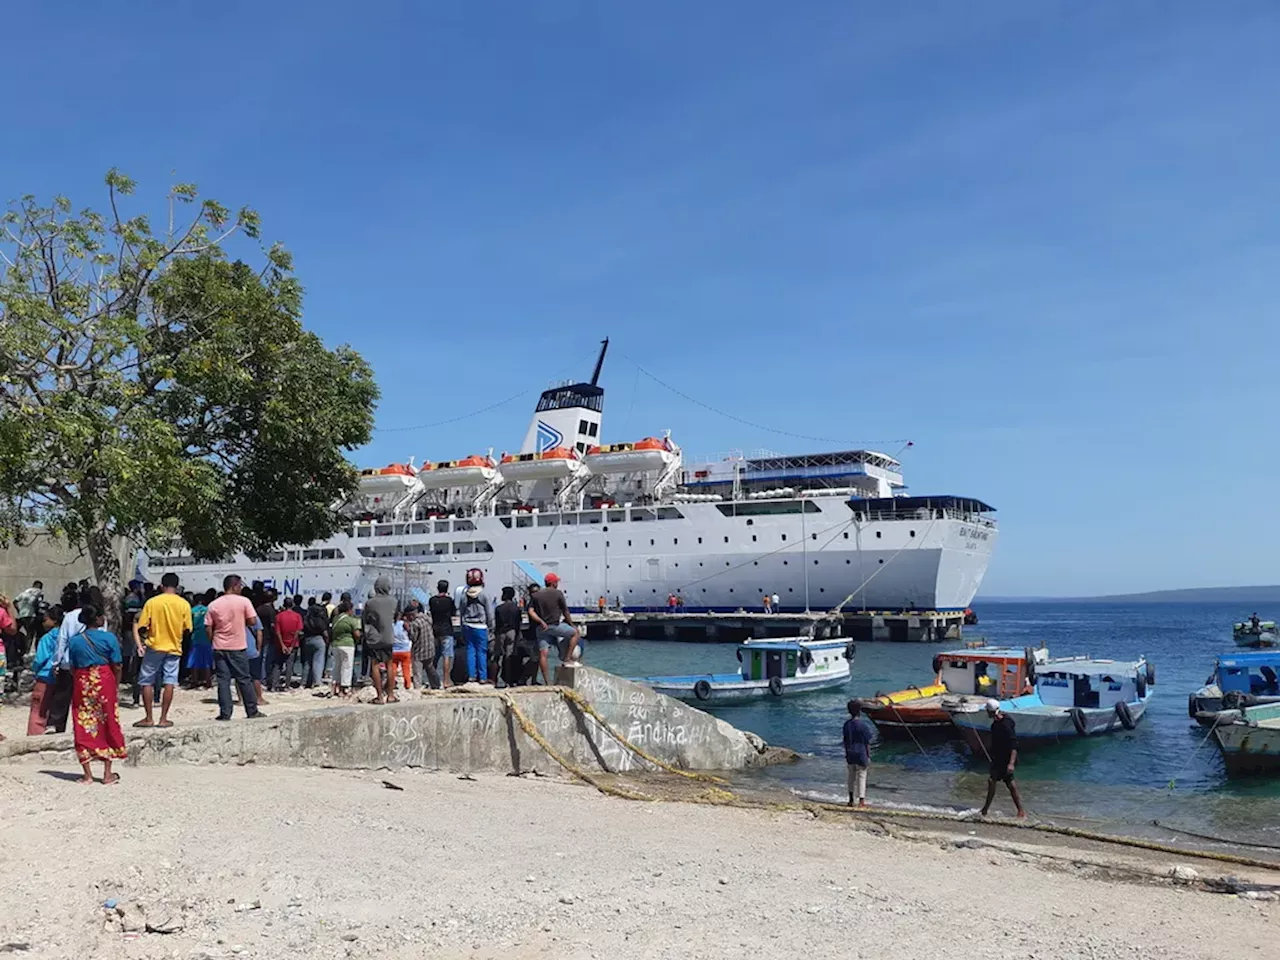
1245 596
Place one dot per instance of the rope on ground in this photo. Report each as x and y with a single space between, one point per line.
531 731
1208 836
572 696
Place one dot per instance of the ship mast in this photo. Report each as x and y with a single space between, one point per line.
604 348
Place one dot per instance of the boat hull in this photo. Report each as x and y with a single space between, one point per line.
1249 749
925 717
1044 726
731 688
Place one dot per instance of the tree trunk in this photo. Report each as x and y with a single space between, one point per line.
106 570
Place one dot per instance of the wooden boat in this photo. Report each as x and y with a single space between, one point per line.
770 668
977 671
1238 680
1251 744
1264 634
1073 697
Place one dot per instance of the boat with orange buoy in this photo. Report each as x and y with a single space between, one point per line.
977 671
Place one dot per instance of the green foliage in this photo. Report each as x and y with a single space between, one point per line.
152 387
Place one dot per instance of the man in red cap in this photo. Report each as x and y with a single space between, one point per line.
550 611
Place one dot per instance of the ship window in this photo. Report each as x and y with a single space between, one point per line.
767 508
877 534
638 515
651 543
813 536
364 551
784 563
310 554
331 554
617 516
593 517
364 532
726 539
547 520
566 546
582 447
628 543
593 428
582 426
464 546
784 536
882 560
585 545
699 539
912 532
847 562
277 556
669 513
440 549
484 546
753 538
846 536
569 518
522 522
505 521
442 526
675 541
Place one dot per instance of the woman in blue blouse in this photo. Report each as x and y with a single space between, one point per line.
95 705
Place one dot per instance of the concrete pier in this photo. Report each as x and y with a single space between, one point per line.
861 626
463 732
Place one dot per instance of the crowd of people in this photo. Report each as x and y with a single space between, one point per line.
248 638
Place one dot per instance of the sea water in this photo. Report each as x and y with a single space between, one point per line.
1164 776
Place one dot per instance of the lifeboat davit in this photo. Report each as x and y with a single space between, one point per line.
649 454
389 480
554 464
468 472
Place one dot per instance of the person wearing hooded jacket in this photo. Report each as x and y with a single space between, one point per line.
378 629
475 611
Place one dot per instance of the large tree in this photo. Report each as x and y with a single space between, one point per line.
155 388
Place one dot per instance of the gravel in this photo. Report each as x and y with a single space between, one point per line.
336 866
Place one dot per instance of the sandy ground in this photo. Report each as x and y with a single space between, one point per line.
262 862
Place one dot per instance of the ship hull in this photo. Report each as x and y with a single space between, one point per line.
713 560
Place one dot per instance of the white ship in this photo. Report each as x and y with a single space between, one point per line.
635 523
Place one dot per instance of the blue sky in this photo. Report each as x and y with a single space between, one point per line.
1038 239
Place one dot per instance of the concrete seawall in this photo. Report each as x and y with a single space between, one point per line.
460 732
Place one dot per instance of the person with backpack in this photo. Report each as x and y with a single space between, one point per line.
315 633
379 624
476 614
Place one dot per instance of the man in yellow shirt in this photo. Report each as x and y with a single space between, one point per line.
167 619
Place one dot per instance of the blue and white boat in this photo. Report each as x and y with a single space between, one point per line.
1238 680
1251 743
770 668
1073 697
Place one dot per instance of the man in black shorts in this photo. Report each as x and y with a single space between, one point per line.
1004 756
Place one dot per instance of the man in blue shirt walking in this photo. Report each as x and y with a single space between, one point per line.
858 734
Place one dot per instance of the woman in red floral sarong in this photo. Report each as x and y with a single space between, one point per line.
95 707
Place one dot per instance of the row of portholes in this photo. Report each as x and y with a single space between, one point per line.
675 541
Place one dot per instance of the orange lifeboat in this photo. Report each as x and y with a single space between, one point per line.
468 472
393 478
647 455
554 464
